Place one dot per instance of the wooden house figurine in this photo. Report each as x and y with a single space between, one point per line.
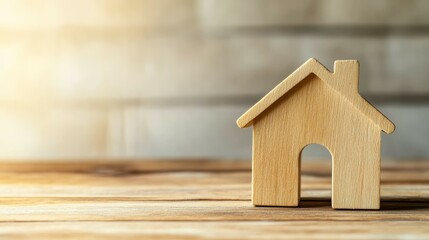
314 105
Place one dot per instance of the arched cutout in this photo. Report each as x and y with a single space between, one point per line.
315 151
312 153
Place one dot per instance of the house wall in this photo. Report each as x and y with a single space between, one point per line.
162 78
313 112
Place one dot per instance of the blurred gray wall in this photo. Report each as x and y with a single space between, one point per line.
168 78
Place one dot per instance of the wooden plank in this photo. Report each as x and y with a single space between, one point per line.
57 133
142 165
254 64
198 126
133 209
273 57
124 166
81 201
216 123
169 191
257 13
410 139
212 230
194 180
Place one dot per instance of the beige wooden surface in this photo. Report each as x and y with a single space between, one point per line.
197 200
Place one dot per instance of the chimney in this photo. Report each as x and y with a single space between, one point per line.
346 73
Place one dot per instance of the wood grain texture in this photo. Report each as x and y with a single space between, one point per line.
134 209
205 179
197 200
211 230
313 105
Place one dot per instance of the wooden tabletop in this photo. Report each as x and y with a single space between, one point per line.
192 199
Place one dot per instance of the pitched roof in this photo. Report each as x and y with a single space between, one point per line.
331 78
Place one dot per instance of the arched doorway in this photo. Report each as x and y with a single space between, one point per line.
310 158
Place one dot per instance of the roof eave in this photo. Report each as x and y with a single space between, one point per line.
389 127
242 123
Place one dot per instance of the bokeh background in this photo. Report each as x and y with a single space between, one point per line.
168 78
